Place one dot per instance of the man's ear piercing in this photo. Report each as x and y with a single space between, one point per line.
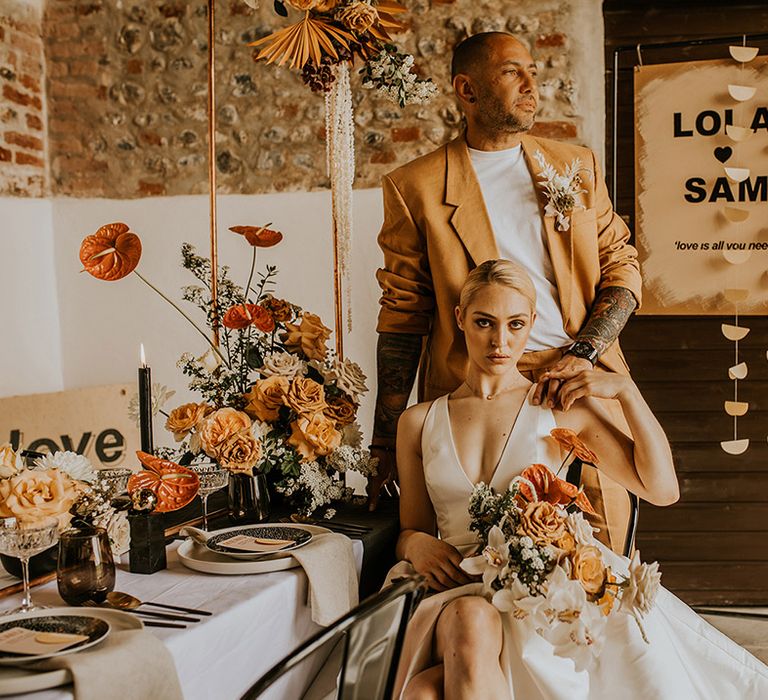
471 99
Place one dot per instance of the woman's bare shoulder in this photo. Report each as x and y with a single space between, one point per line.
414 415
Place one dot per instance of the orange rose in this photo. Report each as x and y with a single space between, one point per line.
314 436
265 398
542 523
588 569
240 453
219 427
571 442
305 396
608 598
308 337
280 309
341 410
184 419
34 495
262 319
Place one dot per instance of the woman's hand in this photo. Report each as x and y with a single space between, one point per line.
436 560
596 383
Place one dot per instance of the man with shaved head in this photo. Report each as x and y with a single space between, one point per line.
482 197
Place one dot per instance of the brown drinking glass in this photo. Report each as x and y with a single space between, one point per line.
86 570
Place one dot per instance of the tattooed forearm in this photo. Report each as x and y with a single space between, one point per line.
610 313
397 360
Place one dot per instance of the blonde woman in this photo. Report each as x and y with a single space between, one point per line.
488 430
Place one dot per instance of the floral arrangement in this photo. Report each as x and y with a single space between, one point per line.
541 561
63 485
274 397
332 32
561 191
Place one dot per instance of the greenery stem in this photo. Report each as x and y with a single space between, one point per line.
175 306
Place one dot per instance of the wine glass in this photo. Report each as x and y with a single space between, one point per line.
116 478
212 478
86 570
23 541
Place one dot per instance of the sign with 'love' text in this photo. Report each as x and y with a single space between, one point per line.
701 169
94 422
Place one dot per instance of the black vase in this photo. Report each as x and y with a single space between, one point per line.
39 565
248 498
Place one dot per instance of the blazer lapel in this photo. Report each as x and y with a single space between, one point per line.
560 243
470 218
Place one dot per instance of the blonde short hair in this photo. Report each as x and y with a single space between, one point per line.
502 272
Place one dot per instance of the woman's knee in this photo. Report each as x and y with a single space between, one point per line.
470 620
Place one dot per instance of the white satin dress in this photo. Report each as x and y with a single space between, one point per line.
687 659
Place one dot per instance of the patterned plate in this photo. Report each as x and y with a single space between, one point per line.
95 629
299 536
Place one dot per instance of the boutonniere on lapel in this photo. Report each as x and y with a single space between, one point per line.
562 191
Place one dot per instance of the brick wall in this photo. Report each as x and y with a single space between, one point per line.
126 86
22 108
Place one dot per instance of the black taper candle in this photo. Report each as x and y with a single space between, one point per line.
145 405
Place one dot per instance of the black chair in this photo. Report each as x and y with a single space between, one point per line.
574 477
359 652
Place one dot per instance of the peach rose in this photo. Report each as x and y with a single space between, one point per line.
314 436
341 410
240 453
219 427
326 5
33 495
542 523
184 419
566 542
302 5
265 398
308 337
588 569
358 16
305 396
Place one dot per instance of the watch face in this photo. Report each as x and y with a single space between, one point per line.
583 350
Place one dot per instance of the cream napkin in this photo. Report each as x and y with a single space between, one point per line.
130 665
329 563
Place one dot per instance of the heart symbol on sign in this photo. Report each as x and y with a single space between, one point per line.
723 153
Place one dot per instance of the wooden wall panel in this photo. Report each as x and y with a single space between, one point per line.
713 543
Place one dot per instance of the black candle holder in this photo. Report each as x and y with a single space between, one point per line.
147 552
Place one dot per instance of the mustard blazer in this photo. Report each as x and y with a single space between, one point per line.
436 229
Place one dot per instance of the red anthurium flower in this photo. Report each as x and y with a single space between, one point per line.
259 236
111 253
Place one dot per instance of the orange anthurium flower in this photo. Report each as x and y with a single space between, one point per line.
174 485
570 441
111 253
243 315
552 489
259 236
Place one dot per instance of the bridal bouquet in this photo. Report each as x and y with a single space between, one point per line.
63 485
275 398
541 561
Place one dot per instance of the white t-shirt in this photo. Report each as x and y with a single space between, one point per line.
510 199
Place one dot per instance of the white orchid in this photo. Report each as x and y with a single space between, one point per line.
490 562
640 590
11 461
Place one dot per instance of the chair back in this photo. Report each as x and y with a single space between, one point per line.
358 654
574 477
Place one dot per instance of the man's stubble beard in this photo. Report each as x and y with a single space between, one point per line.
494 118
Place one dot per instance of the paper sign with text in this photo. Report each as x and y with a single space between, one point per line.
701 229
93 421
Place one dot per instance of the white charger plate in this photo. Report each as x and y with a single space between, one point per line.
15 680
199 558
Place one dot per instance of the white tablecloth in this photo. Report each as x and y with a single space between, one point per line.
256 621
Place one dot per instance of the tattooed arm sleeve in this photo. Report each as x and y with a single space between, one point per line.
610 312
397 361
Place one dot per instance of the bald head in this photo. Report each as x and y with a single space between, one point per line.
470 55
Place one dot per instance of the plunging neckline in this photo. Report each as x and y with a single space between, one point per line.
515 423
